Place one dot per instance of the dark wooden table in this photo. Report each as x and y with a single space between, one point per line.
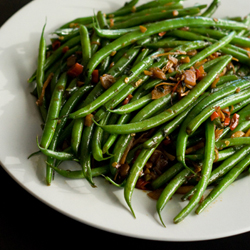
26 223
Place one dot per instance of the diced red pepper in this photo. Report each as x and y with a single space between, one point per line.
214 115
227 121
127 99
56 44
75 70
162 33
234 121
95 76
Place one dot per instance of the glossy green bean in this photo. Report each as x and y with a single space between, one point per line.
174 110
155 28
223 168
205 172
228 179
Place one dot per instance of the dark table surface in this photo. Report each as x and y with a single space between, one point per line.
26 223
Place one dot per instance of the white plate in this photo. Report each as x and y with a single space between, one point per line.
102 207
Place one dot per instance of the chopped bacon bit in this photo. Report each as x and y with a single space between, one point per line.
75 70
175 13
127 99
143 29
95 76
56 44
234 121
107 80
160 91
161 34
237 90
39 102
65 49
112 22
190 77
88 121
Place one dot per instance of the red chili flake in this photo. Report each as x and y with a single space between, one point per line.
75 70
234 121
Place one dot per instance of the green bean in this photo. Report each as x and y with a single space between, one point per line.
148 111
229 142
152 17
56 55
86 46
53 112
174 110
223 103
205 172
207 102
211 9
40 73
200 56
97 139
228 179
170 189
85 153
168 128
167 175
116 87
223 168
115 71
217 34
78 174
155 28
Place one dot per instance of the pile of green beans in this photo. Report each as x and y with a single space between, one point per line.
146 98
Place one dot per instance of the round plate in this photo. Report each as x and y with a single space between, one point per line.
102 207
